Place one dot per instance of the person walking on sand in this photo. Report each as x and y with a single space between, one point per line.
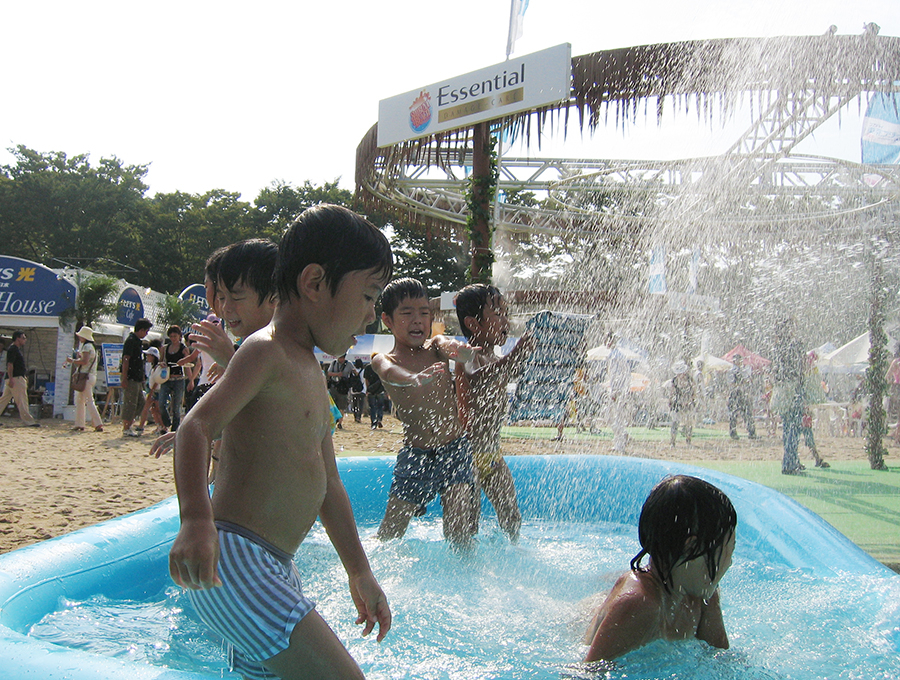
86 362
738 399
17 380
133 375
682 402
893 383
788 399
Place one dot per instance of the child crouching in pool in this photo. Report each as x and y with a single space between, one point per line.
277 471
687 528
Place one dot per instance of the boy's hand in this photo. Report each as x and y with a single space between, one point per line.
194 556
163 445
215 372
456 350
211 338
429 374
371 605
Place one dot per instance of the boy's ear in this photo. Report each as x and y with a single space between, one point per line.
387 321
311 281
471 323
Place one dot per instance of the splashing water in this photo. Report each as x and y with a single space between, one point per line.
518 611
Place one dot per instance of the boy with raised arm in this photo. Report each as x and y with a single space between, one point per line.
482 384
435 457
277 470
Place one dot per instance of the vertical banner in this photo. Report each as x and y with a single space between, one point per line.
516 24
658 270
693 270
881 130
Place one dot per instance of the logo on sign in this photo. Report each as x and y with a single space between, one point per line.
30 289
197 295
129 308
420 112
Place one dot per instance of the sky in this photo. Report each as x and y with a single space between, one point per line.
236 95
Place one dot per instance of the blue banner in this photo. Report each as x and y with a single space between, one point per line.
881 130
31 289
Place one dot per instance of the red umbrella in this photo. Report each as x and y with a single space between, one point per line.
751 359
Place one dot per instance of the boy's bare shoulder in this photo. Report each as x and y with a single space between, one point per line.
263 352
382 360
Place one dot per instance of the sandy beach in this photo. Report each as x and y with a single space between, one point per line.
54 480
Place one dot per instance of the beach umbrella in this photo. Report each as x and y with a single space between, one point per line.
369 344
751 359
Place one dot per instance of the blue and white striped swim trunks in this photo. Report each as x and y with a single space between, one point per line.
259 603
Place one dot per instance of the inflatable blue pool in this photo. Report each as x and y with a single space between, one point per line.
126 558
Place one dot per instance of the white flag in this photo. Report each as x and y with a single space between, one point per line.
516 23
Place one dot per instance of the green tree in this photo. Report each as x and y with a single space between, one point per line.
177 312
440 264
280 203
92 301
56 206
184 229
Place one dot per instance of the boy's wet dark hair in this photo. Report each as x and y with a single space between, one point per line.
211 269
398 290
679 508
337 239
472 300
251 262
142 324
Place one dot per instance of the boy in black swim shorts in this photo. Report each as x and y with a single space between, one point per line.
436 457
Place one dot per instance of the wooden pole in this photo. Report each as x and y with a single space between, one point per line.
480 270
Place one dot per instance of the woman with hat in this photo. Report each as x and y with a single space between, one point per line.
85 361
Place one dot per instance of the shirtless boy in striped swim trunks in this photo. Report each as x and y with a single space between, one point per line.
277 470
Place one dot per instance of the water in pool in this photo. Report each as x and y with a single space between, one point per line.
517 612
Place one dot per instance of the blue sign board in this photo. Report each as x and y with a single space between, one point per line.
112 363
129 308
31 289
197 294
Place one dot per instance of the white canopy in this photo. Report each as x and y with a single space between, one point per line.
601 353
711 362
850 358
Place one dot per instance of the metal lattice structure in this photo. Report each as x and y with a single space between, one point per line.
794 84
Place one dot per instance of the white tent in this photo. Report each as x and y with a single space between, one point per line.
850 358
711 362
601 353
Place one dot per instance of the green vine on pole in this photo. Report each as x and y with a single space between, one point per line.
480 192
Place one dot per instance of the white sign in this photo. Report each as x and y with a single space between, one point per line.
684 302
509 87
